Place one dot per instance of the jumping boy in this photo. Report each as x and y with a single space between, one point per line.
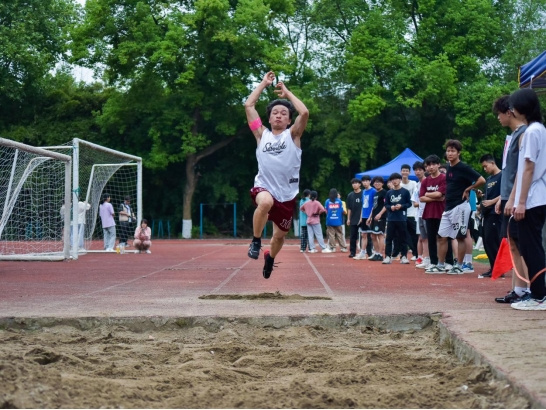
279 160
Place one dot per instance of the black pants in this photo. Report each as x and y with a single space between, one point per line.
433 226
530 247
125 229
491 235
353 238
397 231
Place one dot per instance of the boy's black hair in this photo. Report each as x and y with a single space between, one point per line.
501 105
378 179
418 165
405 166
395 175
313 195
487 158
366 178
356 180
454 144
306 193
332 196
526 102
285 103
433 159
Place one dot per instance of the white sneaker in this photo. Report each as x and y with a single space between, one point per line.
312 251
448 267
387 260
361 256
425 265
404 260
327 250
413 258
530 304
148 251
301 251
343 249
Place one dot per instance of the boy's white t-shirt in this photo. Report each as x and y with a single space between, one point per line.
533 148
410 186
279 162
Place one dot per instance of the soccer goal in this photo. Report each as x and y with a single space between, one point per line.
98 170
35 199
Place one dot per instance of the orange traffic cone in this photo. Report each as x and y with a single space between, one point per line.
504 262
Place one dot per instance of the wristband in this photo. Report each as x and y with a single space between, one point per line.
256 124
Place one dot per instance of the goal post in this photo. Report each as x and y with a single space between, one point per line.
35 194
97 170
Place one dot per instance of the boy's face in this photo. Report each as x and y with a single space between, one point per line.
488 167
419 173
452 154
280 117
366 183
356 185
504 118
433 168
396 183
378 185
405 172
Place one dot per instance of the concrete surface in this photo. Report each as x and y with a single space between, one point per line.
167 284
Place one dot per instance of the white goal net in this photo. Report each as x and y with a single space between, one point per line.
34 195
97 171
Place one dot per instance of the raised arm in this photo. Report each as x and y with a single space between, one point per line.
301 121
252 116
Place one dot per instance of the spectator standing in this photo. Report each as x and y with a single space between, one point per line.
334 221
397 202
411 222
378 219
364 225
106 212
313 209
354 209
304 236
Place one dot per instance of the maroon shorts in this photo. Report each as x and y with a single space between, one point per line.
281 213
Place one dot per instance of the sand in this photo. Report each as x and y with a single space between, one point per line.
238 365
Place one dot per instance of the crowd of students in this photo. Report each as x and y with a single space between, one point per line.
433 218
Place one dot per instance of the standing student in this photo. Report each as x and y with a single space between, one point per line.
528 197
364 225
303 222
460 180
411 212
334 221
397 202
126 218
279 160
501 107
106 212
354 209
491 221
378 219
313 209
423 259
432 193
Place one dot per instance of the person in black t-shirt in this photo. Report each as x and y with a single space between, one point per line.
460 179
378 219
491 221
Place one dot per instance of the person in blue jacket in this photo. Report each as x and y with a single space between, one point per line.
334 221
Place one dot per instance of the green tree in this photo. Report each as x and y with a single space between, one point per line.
181 70
33 39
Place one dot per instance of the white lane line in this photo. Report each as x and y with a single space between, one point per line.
225 282
319 276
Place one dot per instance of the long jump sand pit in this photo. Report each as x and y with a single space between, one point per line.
269 362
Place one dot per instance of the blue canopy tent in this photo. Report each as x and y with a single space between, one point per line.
533 74
406 157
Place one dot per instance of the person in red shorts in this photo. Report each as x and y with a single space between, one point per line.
279 160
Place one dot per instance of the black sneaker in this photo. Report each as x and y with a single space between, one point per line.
268 265
377 257
485 275
512 297
254 249
351 255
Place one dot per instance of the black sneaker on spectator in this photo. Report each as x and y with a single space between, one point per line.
511 297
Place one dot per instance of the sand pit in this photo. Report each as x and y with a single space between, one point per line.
238 364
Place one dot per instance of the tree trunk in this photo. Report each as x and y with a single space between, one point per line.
192 179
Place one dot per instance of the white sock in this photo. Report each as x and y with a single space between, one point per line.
520 291
467 258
